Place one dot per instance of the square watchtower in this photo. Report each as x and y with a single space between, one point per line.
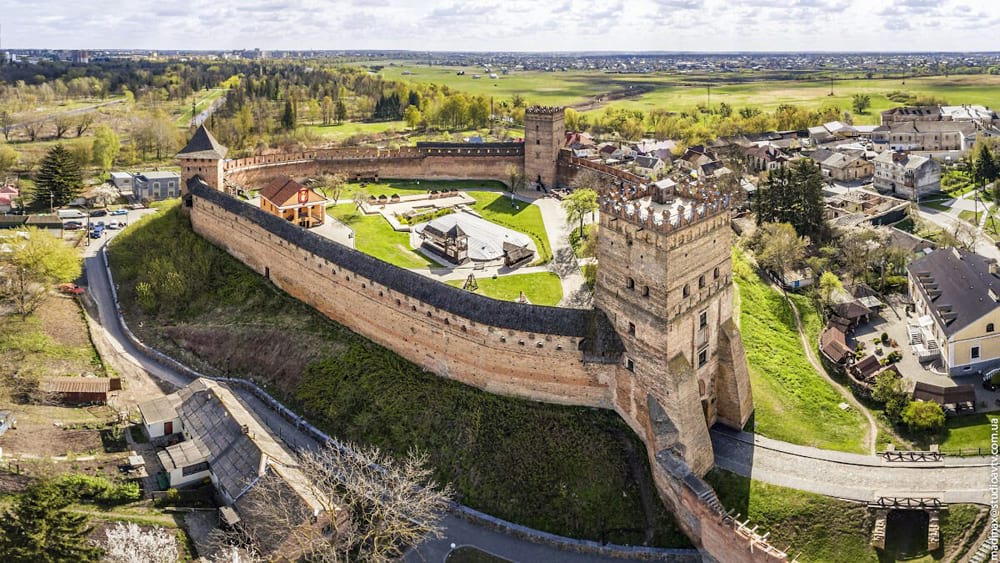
544 130
202 157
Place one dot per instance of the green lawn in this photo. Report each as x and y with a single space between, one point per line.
515 215
938 205
350 129
792 402
388 187
827 530
967 433
574 471
541 288
374 236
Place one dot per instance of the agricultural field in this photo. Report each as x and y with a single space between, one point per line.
681 92
541 288
792 402
578 472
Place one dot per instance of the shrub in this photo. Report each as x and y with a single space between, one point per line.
923 416
98 489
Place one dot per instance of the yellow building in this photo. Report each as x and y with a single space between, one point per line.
956 295
294 202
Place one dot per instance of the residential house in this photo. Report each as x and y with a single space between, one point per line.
294 202
843 166
906 175
226 444
159 416
932 135
660 149
122 181
764 158
956 296
649 166
577 140
695 157
820 135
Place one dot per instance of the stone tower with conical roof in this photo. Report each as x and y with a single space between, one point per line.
203 157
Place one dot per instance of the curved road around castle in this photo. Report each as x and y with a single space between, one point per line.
132 363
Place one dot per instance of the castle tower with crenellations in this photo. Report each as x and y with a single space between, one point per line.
665 282
202 156
544 132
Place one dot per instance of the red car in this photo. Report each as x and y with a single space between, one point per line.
70 289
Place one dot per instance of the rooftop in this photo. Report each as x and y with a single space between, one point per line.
959 286
160 409
203 145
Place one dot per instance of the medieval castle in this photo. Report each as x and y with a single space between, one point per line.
660 347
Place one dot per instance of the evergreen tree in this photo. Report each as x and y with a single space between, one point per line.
288 117
58 180
39 529
985 167
793 195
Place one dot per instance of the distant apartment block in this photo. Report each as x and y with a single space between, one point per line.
906 175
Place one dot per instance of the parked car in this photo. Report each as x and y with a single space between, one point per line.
99 213
113 225
70 289
71 214
117 212
72 225
97 233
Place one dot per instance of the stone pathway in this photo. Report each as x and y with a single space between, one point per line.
856 477
576 292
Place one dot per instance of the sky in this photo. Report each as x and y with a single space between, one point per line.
505 25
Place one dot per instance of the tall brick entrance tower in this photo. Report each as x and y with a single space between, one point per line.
544 131
665 281
202 157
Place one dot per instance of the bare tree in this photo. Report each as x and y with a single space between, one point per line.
589 179
33 129
332 185
6 124
515 175
83 123
383 506
63 124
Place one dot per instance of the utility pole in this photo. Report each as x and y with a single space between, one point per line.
709 86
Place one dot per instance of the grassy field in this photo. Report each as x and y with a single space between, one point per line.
388 187
967 433
346 130
826 530
541 288
374 236
791 401
53 341
578 472
677 92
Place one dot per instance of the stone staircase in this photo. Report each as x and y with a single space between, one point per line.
983 554
878 531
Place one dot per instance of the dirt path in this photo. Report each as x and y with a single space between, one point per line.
871 437
631 92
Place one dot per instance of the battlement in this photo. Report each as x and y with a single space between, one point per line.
663 209
544 110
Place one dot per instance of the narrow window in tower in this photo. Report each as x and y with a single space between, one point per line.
703 319
702 358
687 290
645 291
629 283
538 141
631 329
701 282
629 364
715 273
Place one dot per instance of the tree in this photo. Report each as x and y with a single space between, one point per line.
105 194
390 505
572 119
83 123
128 543
890 390
106 148
63 124
780 249
793 195
332 185
33 129
288 117
578 204
39 529
985 168
340 113
412 117
516 178
8 158
923 416
861 102
360 197
6 124
829 284
58 179
326 109
35 264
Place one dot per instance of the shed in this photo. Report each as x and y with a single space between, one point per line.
79 390
159 416
833 343
958 395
